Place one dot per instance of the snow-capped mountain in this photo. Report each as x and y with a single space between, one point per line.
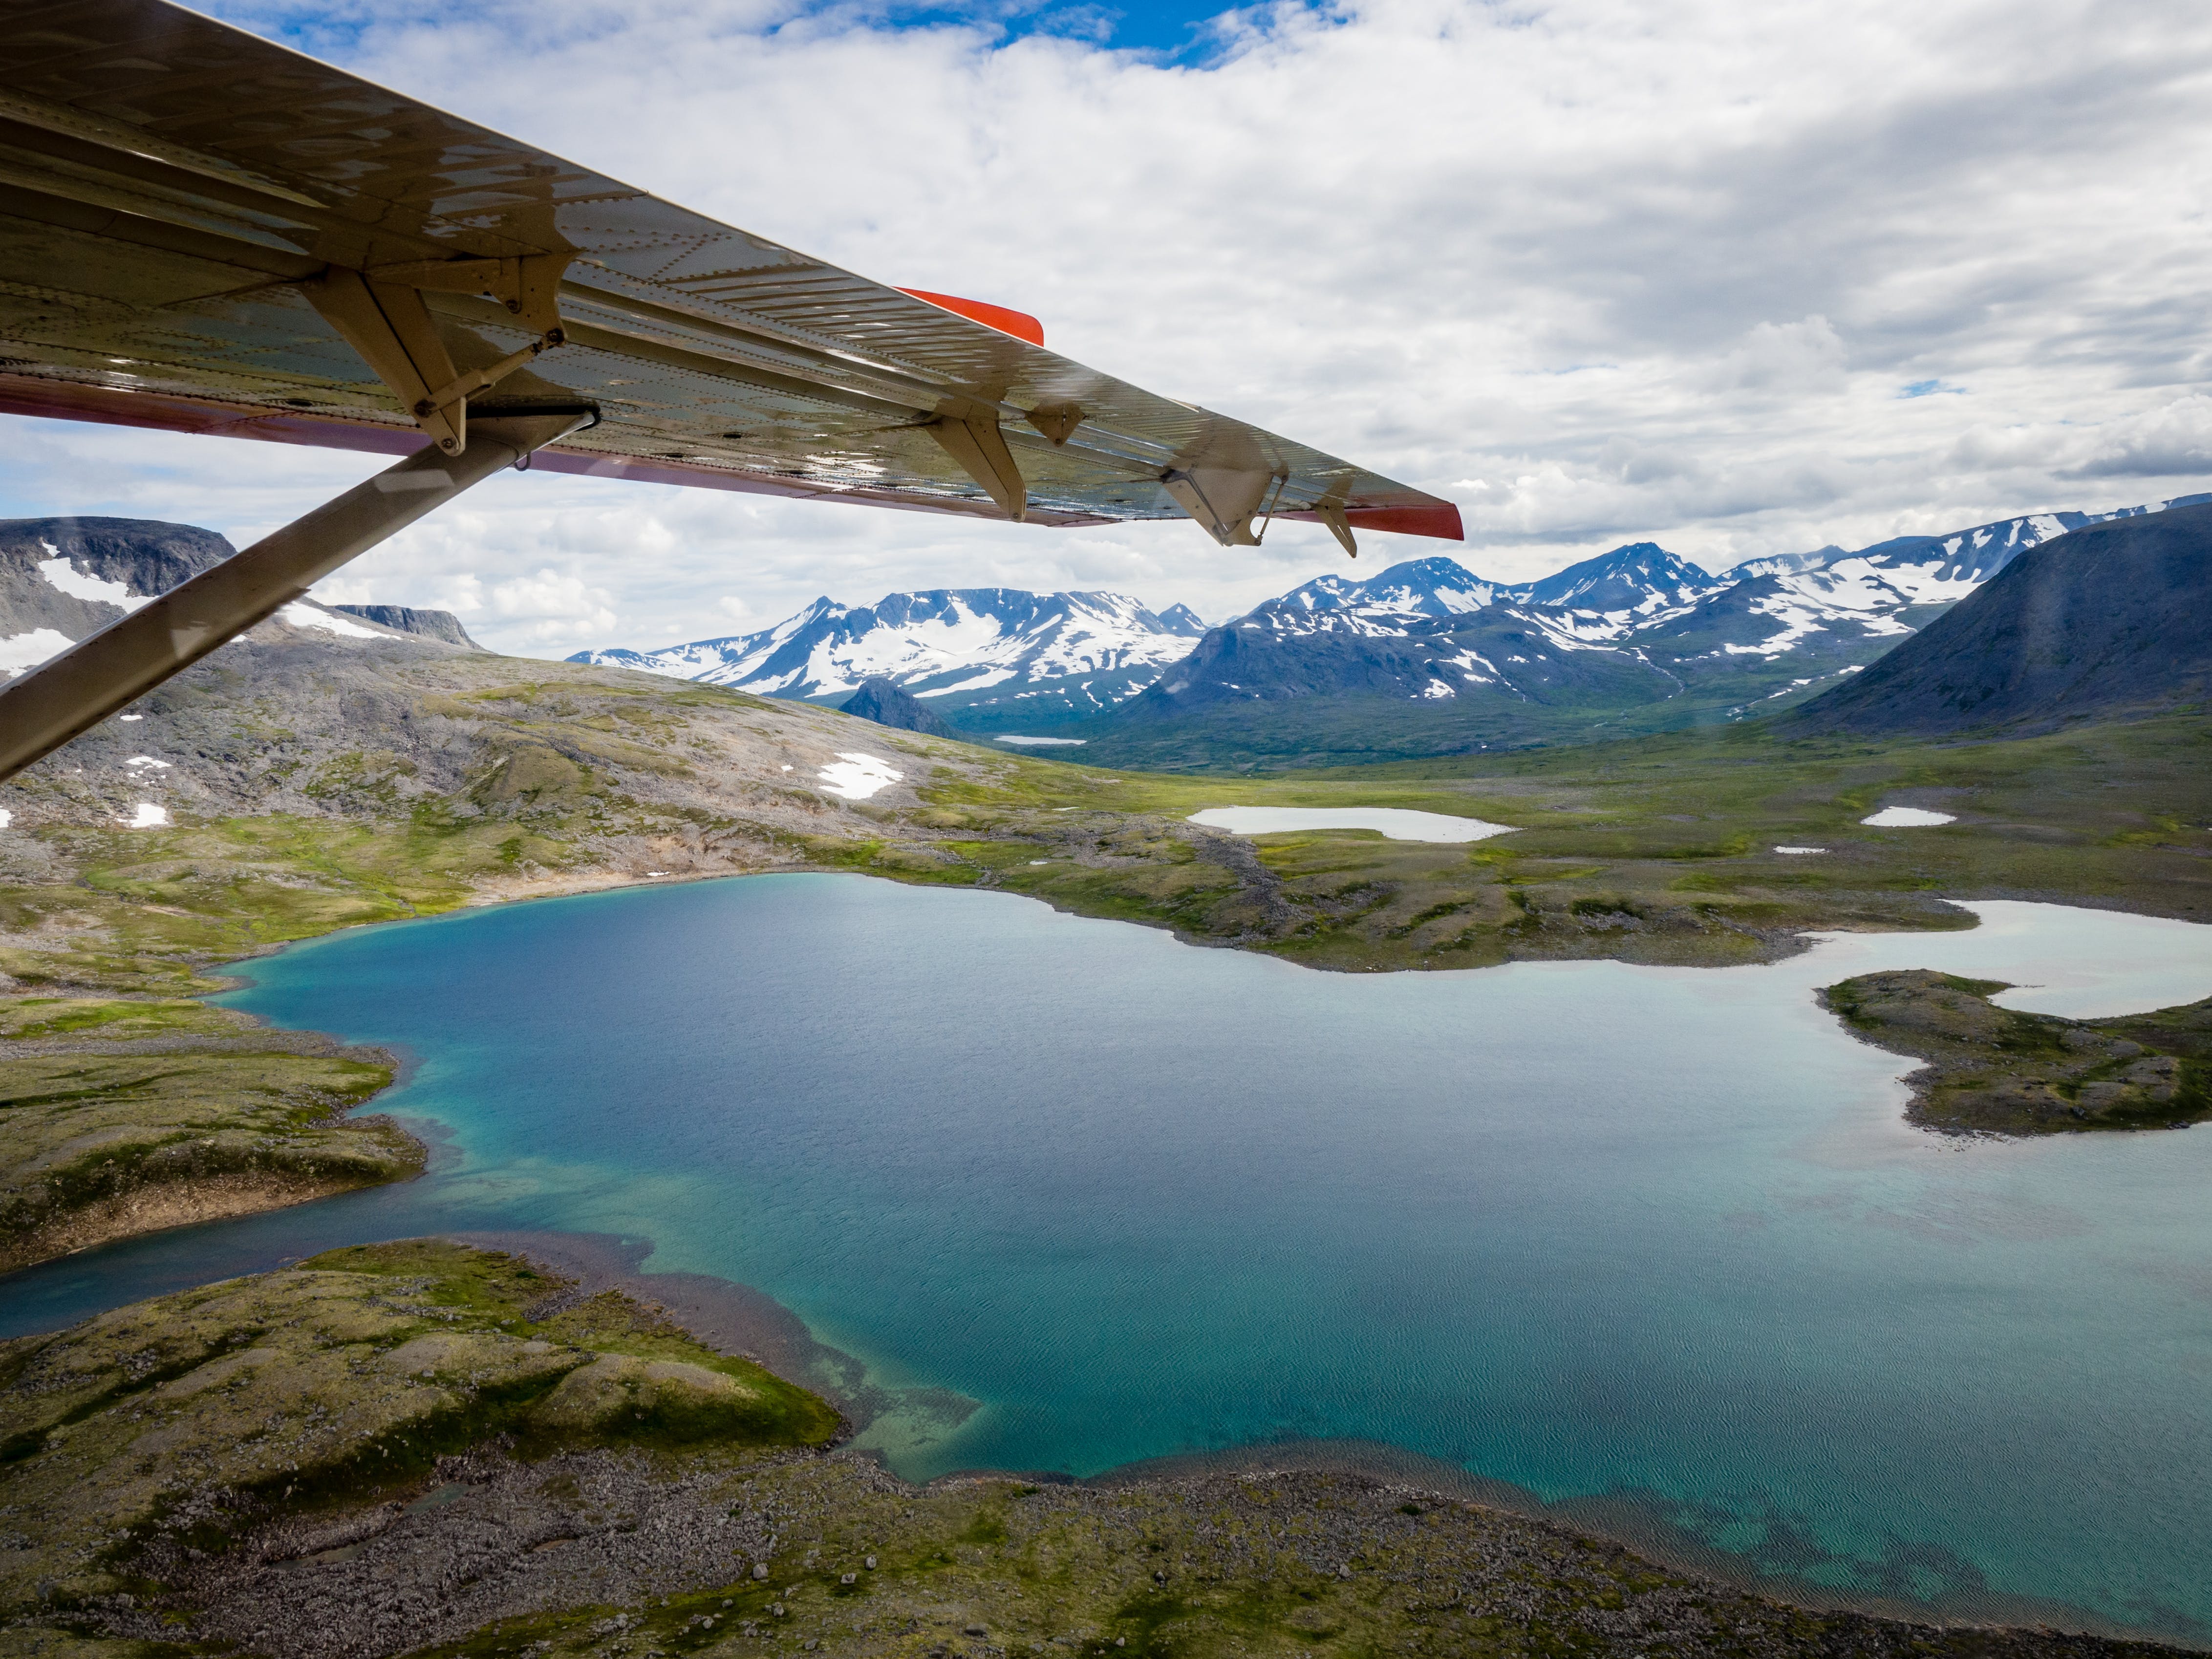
1635 638
61 580
1642 579
1419 587
1003 658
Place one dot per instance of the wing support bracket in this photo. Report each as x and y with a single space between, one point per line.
379 312
45 708
1223 499
975 441
1340 525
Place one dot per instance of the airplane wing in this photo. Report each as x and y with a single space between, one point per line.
203 231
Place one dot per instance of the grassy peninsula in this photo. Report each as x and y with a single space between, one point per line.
124 1116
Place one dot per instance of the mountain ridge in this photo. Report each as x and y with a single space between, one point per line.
1473 665
2109 618
63 579
1004 657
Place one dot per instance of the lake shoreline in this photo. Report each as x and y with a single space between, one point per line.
1367 1522
749 1323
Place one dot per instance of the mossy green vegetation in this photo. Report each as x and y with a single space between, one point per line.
121 1115
1663 850
179 1426
98 1146
1992 1070
424 1448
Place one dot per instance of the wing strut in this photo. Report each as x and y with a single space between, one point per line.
45 708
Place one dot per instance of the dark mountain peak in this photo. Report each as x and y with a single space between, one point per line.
406 619
883 702
148 557
2106 617
61 579
1182 619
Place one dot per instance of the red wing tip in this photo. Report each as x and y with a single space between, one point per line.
1019 324
1439 519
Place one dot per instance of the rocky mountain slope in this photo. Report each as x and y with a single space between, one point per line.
2113 616
63 578
988 659
406 619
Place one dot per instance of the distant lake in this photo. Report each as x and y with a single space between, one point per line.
1396 823
1648 1243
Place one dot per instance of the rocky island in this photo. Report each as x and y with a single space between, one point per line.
1994 1071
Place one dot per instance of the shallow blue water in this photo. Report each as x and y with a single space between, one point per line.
1588 1229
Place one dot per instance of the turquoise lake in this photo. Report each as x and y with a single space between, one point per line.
1652 1244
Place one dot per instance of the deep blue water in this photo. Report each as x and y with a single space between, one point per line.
1588 1229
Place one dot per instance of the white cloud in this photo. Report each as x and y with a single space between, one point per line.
1793 360
1628 268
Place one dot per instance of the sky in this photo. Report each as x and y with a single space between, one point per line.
1738 277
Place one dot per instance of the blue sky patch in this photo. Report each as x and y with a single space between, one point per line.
1182 29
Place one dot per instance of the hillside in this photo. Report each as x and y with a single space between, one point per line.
2108 618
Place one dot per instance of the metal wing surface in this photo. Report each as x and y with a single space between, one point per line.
180 200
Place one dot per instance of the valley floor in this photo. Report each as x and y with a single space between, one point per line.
339 789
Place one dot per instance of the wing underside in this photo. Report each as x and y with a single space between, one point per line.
203 231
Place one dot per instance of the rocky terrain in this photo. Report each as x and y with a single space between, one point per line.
1996 1071
420 1447
406 619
